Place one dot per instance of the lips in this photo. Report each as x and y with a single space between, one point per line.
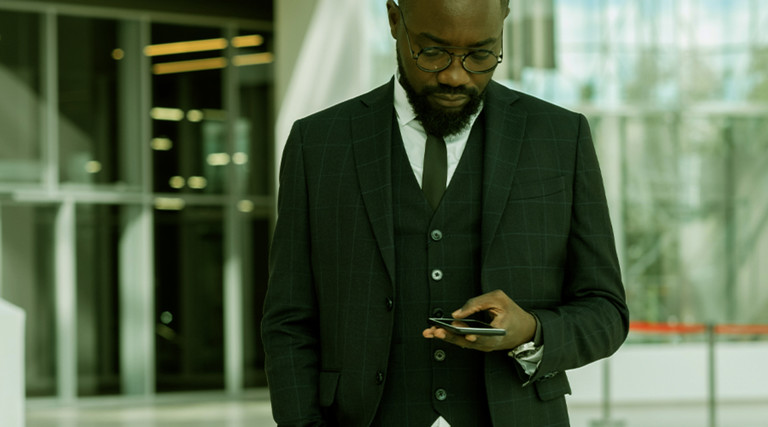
449 101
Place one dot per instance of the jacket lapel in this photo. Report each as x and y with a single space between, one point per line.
504 129
371 142
372 145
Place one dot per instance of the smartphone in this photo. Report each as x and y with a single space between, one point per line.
466 326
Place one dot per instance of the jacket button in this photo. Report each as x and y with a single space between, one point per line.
439 355
438 312
441 394
436 235
437 274
390 304
379 377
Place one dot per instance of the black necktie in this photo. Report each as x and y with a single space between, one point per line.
435 170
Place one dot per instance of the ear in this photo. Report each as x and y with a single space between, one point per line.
393 13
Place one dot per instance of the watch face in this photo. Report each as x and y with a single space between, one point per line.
524 350
525 353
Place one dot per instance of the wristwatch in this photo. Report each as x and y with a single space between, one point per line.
523 350
529 348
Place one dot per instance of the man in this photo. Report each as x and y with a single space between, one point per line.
362 256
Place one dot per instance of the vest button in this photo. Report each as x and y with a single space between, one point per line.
436 235
379 377
441 394
439 355
390 304
437 275
438 312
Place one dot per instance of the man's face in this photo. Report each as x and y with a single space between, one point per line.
444 101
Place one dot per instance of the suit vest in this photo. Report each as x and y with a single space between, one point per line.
438 269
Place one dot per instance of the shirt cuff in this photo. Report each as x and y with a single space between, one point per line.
530 361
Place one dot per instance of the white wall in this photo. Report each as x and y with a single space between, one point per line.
324 55
664 373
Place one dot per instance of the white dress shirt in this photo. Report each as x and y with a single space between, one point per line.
415 137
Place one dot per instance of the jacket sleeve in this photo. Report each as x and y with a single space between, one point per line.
289 326
592 320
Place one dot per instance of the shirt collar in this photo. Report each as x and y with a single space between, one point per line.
405 114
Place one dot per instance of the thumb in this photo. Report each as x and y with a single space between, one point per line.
469 308
490 301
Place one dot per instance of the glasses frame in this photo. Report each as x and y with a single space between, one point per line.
415 56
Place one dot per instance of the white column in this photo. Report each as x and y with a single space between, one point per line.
137 325
11 364
233 240
66 303
137 283
334 59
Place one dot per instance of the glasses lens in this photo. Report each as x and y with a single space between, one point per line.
480 61
433 59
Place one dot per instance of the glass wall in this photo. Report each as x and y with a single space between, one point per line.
88 53
97 249
676 97
189 255
28 280
189 122
21 83
136 197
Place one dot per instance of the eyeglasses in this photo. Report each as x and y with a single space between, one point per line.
434 59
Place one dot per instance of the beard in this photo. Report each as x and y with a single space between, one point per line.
436 121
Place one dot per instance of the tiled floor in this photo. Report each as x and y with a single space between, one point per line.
178 410
252 410
732 414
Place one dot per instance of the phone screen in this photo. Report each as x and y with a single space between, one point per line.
466 326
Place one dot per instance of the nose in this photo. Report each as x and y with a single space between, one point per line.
455 75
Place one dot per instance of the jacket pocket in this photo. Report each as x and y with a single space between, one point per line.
553 387
535 189
328 382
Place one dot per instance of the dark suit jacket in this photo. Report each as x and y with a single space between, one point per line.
546 241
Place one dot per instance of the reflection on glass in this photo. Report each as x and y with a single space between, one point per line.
254 135
21 107
28 277
88 100
96 151
188 298
188 119
98 235
694 229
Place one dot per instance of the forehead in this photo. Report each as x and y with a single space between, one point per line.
456 22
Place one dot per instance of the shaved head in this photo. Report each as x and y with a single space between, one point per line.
504 4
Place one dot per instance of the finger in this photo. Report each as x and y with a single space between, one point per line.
439 333
489 301
472 306
442 334
463 341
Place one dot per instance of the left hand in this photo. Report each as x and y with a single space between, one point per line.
519 324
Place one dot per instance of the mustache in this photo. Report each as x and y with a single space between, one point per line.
448 90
